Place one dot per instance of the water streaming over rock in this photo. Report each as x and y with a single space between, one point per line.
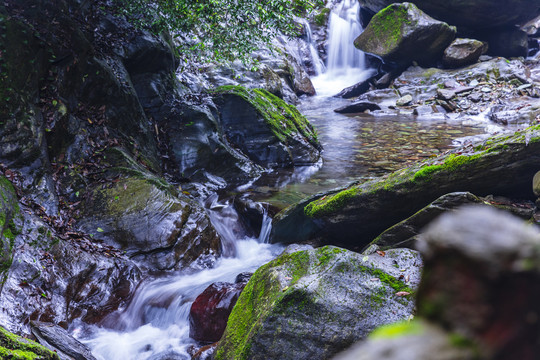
155 325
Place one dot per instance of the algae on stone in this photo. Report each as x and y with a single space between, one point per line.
16 347
313 303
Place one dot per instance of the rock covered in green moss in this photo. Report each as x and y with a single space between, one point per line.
9 216
355 215
312 304
417 340
402 33
265 128
17 348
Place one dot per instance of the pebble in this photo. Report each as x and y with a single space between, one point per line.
486 89
474 83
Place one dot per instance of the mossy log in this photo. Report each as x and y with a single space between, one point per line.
351 217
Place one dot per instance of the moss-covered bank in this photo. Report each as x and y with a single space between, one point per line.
17 348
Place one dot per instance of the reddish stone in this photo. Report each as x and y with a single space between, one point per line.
210 311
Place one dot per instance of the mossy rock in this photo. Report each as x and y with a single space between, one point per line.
265 128
416 339
313 303
9 223
352 217
402 33
18 348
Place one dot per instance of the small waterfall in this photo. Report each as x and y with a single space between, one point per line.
346 64
343 28
155 325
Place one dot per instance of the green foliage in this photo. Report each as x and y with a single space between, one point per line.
218 30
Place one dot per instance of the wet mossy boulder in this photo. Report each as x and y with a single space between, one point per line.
471 14
463 52
353 216
265 128
402 33
312 304
17 348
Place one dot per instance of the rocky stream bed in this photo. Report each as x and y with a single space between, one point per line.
151 211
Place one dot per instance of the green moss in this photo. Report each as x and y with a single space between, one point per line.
322 17
24 349
451 163
398 330
389 24
283 119
331 203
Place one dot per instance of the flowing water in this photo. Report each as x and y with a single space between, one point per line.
155 325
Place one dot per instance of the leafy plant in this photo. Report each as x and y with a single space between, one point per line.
218 30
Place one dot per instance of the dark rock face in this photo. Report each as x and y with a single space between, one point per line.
462 52
311 304
210 311
402 33
357 107
495 257
510 42
474 14
405 233
356 90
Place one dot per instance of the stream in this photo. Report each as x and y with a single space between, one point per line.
155 325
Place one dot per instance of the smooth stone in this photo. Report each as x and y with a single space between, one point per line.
404 100
357 108
446 94
463 52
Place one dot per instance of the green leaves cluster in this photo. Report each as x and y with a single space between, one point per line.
219 30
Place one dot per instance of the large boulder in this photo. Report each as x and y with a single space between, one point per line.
474 14
463 52
510 42
311 304
496 258
402 33
269 131
353 216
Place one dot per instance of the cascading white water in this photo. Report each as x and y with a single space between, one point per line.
346 64
156 323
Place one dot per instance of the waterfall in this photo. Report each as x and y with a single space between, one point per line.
346 64
343 28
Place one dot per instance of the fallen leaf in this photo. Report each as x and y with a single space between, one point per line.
381 253
402 293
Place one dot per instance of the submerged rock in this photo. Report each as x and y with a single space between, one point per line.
18 348
463 52
402 33
269 131
313 303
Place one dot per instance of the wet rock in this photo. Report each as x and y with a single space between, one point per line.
536 184
313 303
427 110
269 131
495 257
475 14
60 341
463 52
356 90
354 215
10 219
405 233
532 28
515 113
357 107
16 347
418 339
147 219
510 42
446 94
402 33
404 100
210 311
